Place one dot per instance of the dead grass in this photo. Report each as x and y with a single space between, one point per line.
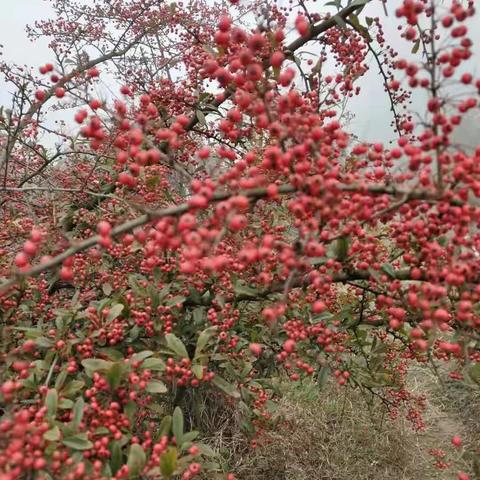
332 434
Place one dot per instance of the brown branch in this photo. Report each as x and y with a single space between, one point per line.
319 28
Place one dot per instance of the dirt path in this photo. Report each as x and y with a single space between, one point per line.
450 407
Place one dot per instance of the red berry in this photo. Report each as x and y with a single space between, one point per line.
289 345
277 59
30 248
21 260
40 95
224 23
256 349
302 26
66 273
104 228
457 441
238 222
95 104
319 307
59 92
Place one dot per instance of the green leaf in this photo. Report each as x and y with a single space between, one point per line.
359 27
226 387
52 435
322 316
165 426
136 460
65 403
323 376
72 388
156 386
206 450
168 462
44 342
190 436
134 333
171 302
115 312
198 314
51 402
115 375
203 339
245 291
201 117
62 376
341 248
107 289
78 411
95 364
334 3
197 371
389 270
177 425
340 22
209 50
112 353
220 300
138 357
416 46
153 364
78 442
130 409
116 457
358 2
176 345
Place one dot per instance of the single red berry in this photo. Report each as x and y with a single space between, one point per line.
66 273
40 95
104 228
59 92
256 349
277 59
21 259
457 441
289 345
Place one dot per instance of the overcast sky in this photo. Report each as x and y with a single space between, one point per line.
371 108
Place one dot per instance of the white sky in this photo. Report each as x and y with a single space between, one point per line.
371 108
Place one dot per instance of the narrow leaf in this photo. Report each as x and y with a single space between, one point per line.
155 386
176 345
51 402
136 460
177 425
226 387
115 312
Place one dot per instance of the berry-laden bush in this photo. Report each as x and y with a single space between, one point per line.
183 244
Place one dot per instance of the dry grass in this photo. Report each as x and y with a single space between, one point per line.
332 434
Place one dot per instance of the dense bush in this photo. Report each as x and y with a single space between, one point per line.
180 248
